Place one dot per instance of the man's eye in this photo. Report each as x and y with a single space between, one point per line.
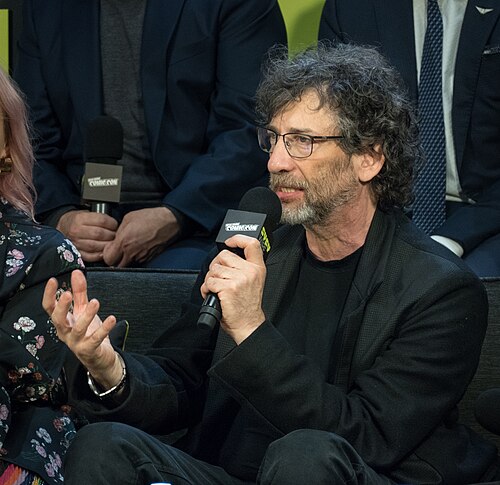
301 139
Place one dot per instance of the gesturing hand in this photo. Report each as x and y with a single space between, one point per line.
81 329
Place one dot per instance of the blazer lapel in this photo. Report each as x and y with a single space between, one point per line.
159 23
367 278
281 266
82 57
480 18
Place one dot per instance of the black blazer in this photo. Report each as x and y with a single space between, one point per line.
408 344
476 104
200 66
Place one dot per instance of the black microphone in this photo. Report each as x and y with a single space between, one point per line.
487 410
257 216
103 147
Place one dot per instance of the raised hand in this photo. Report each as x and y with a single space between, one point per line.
80 328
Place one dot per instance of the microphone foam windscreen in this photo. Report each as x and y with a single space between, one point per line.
103 140
263 201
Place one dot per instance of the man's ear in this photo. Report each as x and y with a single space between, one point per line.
369 164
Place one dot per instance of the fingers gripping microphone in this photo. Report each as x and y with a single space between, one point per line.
257 216
103 147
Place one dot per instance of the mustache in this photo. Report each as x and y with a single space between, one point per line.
277 180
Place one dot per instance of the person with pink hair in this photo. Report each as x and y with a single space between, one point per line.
36 424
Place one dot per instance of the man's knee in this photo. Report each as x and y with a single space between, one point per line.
97 448
91 440
306 451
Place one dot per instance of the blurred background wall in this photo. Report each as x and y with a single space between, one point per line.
301 18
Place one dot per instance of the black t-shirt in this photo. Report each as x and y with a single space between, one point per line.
311 311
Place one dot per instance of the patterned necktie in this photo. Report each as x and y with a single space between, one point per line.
429 209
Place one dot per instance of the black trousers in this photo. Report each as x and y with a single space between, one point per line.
113 453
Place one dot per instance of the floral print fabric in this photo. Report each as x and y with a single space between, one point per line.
36 425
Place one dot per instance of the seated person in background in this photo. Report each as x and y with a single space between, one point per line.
35 423
346 360
462 189
181 77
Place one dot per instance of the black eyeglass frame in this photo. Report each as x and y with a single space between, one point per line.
313 138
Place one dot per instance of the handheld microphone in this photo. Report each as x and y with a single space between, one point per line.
487 410
103 147
258 214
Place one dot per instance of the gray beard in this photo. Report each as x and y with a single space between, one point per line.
318 213
316 210
304 215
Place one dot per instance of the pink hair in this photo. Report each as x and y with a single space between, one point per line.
17 186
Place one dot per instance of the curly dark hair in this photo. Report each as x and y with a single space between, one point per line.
367 98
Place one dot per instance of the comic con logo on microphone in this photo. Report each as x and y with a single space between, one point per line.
238 227
103 182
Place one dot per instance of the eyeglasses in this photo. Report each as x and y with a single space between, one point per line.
298 145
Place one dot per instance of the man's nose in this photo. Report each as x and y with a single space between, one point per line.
279 159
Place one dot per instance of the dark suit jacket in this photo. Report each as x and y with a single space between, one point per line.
407 346
200 66
476 104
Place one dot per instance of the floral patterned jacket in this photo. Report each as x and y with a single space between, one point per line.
35 423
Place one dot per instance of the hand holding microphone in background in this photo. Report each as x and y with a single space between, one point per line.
92 230
141 234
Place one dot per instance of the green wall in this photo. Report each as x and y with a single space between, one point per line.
302 22
4 39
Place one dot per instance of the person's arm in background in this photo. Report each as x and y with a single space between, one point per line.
471 224
55 187
232 161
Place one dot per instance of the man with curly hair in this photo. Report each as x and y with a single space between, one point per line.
350 346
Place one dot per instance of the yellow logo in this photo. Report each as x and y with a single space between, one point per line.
264 240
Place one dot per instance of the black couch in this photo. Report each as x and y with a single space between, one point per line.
150 300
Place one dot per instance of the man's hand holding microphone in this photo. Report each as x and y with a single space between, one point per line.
238 284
